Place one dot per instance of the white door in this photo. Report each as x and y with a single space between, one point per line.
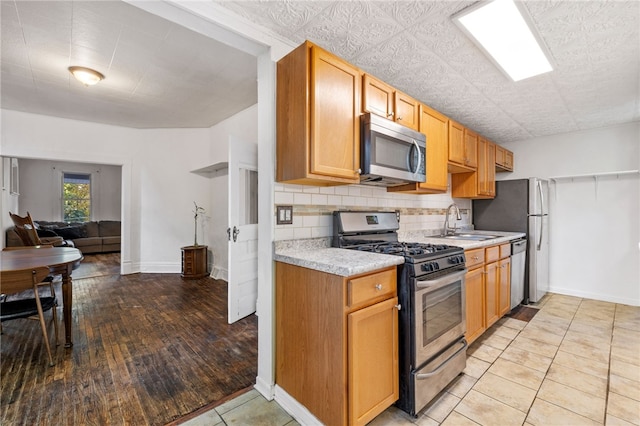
243 229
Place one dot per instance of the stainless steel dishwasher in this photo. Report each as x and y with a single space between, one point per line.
518 262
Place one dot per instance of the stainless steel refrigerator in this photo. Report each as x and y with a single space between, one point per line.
521 205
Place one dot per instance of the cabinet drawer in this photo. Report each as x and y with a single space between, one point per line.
505 250
474 258
491 254
371 287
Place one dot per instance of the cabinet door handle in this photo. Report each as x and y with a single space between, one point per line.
390 114
399 118
378 287
398 307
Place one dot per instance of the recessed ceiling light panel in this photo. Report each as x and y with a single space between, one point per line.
504 31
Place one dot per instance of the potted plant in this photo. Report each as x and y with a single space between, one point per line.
196 212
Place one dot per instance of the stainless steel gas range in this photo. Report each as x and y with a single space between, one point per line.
432 297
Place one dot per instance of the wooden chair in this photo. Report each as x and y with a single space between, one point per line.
29 279
26 229
28 233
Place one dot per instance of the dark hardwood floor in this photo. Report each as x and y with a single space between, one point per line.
148 349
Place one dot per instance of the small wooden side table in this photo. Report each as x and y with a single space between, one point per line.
194 262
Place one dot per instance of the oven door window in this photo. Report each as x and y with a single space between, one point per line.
442 311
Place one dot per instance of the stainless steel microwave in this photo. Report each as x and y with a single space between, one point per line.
391 154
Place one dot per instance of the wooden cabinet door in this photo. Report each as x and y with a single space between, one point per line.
490 188
335 116
456 142
504 291
508 160
436 127
372 360
470 148
500 153
486 168
504 159
492 308
474 295
377 97
407 110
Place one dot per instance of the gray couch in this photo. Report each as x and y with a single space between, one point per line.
90 237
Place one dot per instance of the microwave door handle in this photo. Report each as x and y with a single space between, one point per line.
419 157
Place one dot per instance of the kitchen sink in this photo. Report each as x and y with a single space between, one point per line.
470 237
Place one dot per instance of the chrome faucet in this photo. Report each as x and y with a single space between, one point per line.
447 229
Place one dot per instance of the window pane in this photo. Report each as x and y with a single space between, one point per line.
76 197
249 197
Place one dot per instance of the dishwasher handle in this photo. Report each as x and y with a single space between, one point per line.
518 246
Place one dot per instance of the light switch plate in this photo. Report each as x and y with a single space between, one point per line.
284 215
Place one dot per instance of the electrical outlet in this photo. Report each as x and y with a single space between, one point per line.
284 215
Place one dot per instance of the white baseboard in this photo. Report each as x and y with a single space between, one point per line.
266 389
161 267
220 273
294 408
594 296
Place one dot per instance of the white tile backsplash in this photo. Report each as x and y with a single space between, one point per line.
312 208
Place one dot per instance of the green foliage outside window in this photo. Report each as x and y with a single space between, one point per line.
76 197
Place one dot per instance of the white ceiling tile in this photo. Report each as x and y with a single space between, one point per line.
284 17
347 28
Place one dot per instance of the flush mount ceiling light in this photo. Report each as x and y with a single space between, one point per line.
504 31
86 76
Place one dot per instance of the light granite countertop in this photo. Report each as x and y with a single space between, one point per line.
318 254
342 262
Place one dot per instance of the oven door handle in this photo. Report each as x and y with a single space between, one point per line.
442 281
423 376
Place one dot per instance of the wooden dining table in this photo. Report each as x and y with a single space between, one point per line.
60 261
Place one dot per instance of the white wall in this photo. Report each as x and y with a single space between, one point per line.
158 189
41 188
8 201
595 224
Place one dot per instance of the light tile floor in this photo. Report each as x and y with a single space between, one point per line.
577 362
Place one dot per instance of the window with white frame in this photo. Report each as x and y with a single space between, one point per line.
76 197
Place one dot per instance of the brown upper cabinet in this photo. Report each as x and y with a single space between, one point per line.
436 127
486 168
463 149
317 118
470 148
381 99
504 159
482 182
320 98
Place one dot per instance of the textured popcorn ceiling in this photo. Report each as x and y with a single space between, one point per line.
161 75
415 47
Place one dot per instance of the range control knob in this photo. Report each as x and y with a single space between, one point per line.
456 259
430 267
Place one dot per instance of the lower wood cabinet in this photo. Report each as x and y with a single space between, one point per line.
474 282
504 272
488 288
491 310
337 342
